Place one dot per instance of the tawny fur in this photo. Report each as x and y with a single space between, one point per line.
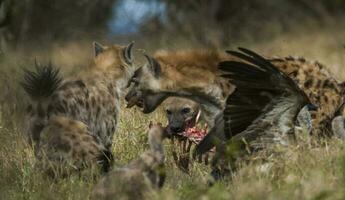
82 113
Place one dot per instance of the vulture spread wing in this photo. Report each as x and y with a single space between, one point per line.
264 105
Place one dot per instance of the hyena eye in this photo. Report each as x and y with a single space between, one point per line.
168 112
185 110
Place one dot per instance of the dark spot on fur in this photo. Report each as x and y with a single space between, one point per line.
318 83
334 102
328 84
72 123
308 83
325 99
295 65
73 137
86 139
294 73
290 58
80 83
301 59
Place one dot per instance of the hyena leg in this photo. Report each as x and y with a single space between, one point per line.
67 145
34 126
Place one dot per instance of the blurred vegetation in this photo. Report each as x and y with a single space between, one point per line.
32 21
209 22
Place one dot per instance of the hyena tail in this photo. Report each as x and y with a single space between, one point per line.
41 83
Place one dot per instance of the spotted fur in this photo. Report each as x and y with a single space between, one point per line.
78 115
320 86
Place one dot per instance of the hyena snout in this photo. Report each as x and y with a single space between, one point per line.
176 126
130 95
133 98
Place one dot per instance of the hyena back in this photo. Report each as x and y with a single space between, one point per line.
85 107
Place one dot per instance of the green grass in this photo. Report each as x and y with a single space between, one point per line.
303 171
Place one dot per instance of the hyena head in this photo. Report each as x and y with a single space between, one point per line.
155 81
181 113
108 57
147 83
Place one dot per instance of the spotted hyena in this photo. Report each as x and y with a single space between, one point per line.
74 119
189 75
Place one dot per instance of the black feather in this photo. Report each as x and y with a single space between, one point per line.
42 82
258 85
257 81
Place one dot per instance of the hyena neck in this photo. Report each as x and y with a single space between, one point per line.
116 80
156 146
150 159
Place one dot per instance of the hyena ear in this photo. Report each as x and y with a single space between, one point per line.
98 48
153 66
127 53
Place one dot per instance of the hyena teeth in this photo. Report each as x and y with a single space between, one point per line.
198 117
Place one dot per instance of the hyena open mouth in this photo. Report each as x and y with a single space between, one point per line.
147 101
191 132
185 140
